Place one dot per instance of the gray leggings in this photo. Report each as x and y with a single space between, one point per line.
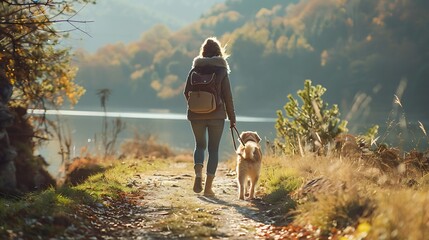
214 127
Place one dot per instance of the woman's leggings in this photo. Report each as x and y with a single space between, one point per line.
214 128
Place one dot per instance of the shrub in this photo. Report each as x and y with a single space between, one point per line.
145 146
82 168
313 124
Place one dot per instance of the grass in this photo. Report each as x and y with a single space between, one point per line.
278 178
50 212
335 211
401 214
189 221
355 200
357 197
27 216
278 182
382 195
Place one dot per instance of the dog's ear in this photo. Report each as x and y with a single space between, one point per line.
243 136
257 137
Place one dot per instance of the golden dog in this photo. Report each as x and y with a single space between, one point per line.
249 158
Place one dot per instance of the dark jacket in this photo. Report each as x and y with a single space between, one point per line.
222 71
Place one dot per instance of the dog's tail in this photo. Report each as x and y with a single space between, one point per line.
249 150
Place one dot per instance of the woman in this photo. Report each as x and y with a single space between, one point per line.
212 58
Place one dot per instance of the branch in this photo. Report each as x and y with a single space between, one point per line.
48 20
33 3
45 22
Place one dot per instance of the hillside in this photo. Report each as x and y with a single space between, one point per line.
124 21
363 51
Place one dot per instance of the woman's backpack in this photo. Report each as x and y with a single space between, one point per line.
203 96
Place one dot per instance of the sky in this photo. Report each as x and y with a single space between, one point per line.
112 21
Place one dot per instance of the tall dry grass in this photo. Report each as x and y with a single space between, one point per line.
349 195
400 214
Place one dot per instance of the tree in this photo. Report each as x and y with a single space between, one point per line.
30 56
38 73
311 124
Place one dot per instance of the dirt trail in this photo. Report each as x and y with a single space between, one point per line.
163 206
163 193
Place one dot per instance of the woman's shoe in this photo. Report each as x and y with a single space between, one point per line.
198 182
208 192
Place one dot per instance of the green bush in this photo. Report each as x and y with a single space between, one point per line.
311 125
279 182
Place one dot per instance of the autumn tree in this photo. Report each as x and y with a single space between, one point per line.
31 57
39 71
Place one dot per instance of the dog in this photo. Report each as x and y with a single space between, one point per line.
249 159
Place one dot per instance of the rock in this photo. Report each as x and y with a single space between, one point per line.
7 154
6 117
6 89
316 186
346 145
7 177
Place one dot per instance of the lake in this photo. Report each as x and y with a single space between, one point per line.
172 129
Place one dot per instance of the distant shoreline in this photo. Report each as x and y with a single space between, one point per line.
142 115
